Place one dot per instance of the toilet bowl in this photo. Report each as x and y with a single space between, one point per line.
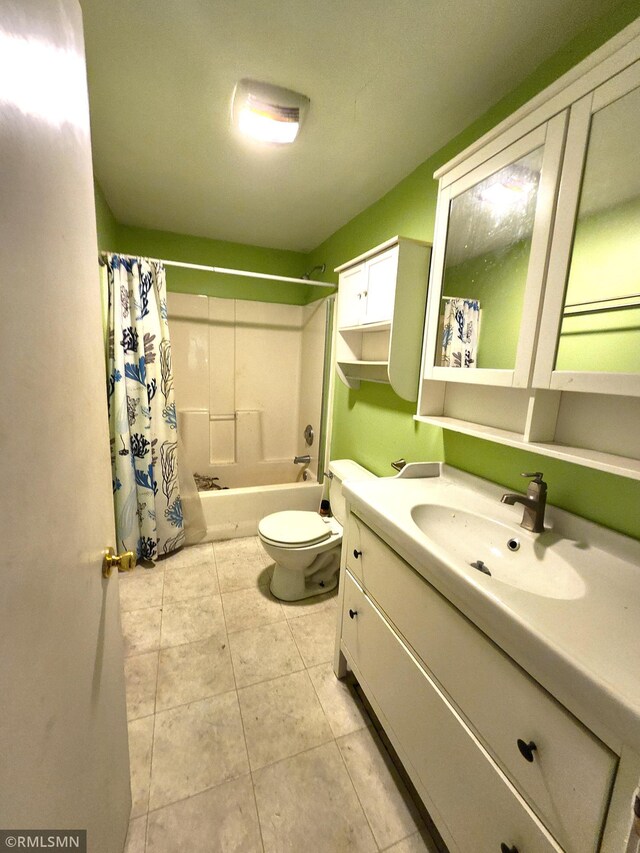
306 546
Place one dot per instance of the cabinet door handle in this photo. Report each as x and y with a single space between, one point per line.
356 553
526 749
353 613
506 849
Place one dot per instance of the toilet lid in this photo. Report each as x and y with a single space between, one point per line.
295 527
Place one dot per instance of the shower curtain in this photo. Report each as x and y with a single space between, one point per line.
461 328
142 409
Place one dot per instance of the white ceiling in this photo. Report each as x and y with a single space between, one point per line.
390 81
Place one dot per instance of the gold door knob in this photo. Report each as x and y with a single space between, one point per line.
125 562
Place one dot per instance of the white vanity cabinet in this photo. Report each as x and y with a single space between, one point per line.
381 303
499 763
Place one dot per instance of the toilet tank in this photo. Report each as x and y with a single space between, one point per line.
343 469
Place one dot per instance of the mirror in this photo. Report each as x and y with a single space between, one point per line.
485 267
600 329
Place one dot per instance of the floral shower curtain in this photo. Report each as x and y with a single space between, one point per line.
460 332
142 409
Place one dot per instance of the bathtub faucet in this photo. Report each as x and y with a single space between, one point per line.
302 460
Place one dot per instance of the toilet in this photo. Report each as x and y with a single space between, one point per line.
306 546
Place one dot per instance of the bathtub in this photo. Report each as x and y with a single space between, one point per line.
236 512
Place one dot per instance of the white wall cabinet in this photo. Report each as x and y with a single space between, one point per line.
492 248
382 283
353 290
381 300
593 284
456 709
539 223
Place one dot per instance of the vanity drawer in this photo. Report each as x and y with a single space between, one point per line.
470 799
569 780
353 544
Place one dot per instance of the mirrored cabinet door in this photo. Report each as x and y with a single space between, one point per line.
492 233
590 332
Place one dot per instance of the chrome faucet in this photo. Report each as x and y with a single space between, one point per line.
302 460
534 503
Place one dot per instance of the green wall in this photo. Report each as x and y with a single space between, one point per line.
373 426
127 239
105 221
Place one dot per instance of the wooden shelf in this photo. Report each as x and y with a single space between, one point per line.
623 466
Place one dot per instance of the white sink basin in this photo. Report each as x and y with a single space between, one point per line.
508 555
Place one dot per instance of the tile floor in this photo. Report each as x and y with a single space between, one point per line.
241 738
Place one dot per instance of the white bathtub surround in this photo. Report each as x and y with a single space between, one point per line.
248 381
243 738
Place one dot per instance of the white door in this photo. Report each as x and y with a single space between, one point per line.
351 301
381 286
63 741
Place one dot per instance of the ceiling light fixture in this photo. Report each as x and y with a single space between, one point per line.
510 189
268 113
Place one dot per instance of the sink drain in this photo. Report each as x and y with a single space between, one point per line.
513 544
480 566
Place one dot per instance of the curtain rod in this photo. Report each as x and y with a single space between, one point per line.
247 273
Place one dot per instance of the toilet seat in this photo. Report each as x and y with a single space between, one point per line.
295 528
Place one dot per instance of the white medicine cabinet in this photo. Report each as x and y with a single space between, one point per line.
489 256
590 334
381 303
532 337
